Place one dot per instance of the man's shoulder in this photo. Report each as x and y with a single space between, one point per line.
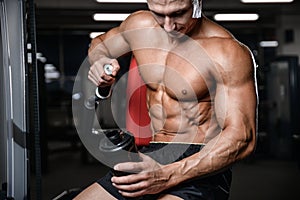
217 37
139 19
235 50
229 45
224 46
228 53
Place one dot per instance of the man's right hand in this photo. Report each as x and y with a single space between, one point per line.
97 74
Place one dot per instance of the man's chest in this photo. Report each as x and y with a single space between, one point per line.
181 78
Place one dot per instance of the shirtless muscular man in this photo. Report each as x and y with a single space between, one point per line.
201 96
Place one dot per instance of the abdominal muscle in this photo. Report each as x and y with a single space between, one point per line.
183 122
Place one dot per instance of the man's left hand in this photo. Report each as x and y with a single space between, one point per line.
148 177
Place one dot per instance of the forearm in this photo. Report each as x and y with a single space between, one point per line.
218 154
97 49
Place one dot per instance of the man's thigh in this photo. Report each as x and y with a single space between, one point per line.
169 197
94 192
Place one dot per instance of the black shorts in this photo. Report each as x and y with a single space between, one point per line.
214 187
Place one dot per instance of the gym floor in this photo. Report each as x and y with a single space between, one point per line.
259 178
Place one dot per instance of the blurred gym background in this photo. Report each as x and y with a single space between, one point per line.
42 156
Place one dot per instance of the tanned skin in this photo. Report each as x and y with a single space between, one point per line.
212 102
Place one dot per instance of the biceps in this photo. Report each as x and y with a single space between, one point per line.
236 106
111 44
115 43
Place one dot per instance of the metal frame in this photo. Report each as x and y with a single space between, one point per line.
13 105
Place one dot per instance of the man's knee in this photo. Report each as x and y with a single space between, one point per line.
93 192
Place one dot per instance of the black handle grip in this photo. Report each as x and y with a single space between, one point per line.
102 93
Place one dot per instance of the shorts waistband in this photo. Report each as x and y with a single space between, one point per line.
167 152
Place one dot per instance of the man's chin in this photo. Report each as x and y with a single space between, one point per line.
176 35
